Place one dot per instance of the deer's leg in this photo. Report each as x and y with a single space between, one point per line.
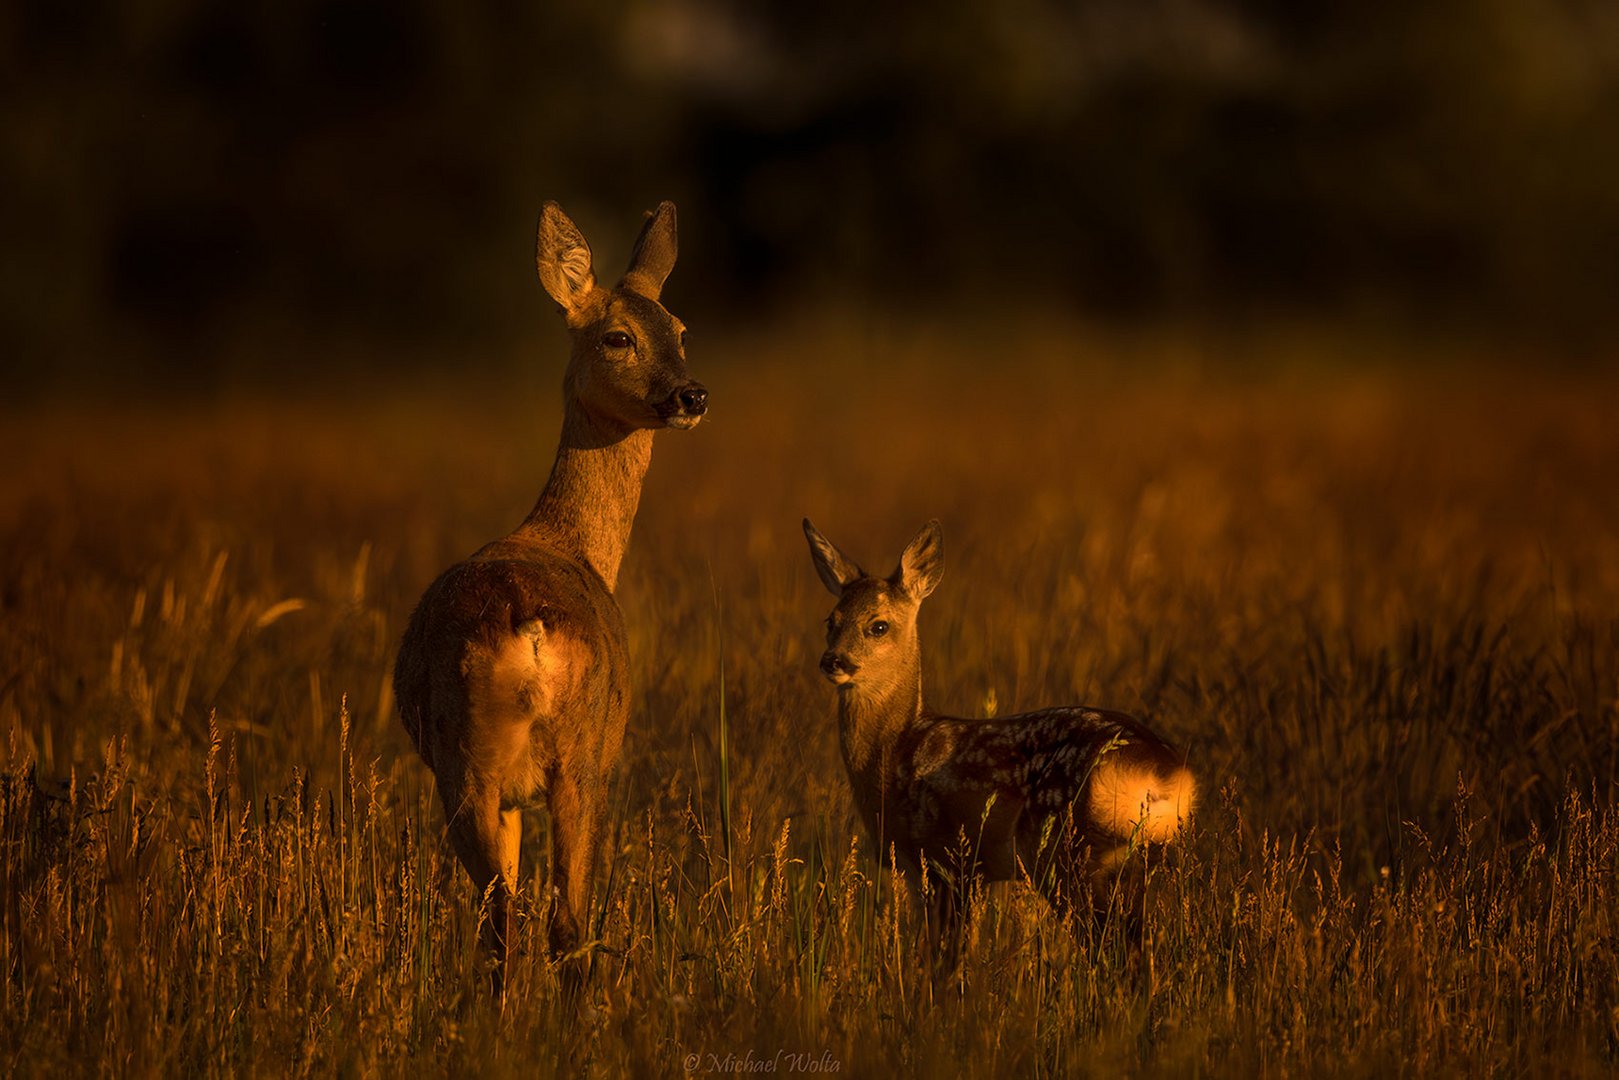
511 841
1090 884
575 816
1124 873
948 908
1059 864
478 831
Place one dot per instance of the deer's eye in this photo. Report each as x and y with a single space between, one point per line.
616 339
683 334
878 628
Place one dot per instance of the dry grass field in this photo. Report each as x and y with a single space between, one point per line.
1376 597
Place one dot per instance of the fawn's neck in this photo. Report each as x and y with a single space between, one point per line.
588 505
870 722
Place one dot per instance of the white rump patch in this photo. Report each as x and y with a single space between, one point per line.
1133 802
524 674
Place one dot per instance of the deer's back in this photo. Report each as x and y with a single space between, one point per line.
515 658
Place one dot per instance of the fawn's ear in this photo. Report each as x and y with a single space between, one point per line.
836 568
563 259
921 564
654 254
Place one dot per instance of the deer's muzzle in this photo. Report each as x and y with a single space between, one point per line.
686 406
837 667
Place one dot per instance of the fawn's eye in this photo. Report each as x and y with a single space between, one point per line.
616 339
683 339
878 628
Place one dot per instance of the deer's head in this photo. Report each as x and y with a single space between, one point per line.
871 634
628 366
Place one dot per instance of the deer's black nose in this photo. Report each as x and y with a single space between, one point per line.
833 664
694 399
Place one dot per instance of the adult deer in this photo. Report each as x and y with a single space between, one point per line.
513 678
1059 795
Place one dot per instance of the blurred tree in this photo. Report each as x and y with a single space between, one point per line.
189 180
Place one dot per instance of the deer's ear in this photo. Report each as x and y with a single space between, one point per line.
654 254
921 565
835 568
563 259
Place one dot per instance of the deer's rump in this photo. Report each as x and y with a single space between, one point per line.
511 665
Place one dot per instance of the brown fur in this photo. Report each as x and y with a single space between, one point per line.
513 675
1059 795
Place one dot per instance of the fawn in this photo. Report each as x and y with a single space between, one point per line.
1059 795
513 678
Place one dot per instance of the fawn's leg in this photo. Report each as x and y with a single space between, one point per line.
1114 875
948 909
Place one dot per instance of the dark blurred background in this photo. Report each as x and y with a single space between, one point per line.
191 189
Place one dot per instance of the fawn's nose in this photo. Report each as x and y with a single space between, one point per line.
833 665
693 399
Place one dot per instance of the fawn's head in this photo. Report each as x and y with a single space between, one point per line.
629 353
871 634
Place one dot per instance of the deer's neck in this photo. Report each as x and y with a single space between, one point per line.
870 723
588 505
